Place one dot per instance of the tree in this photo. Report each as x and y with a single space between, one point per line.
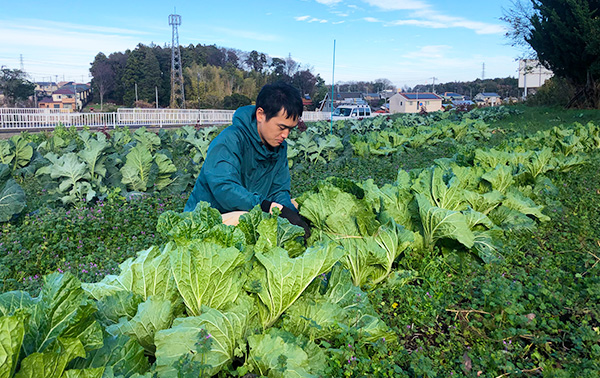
15 85
565 34
256 61
103 76
235 101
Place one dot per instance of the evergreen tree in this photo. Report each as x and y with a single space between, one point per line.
151 78
565 35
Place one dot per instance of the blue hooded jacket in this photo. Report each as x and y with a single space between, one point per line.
240 171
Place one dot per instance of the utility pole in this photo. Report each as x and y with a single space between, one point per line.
483 71
177 90
433 83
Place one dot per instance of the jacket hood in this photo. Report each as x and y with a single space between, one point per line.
243 119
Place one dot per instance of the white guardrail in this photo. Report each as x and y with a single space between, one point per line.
26 118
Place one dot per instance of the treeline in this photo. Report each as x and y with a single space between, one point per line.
505 87
214 77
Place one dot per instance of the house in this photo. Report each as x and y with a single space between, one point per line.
413 102
62 98
341 98
45 88
371 97
488 99
532 75
452 96
71 96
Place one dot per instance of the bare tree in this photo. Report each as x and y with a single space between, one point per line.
103 76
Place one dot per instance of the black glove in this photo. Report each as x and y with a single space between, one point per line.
296 219
266 206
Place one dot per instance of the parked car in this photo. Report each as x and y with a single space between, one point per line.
352 111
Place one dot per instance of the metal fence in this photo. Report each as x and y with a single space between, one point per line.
25 118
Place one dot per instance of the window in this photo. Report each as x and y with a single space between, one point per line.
361 112
56 106
368 112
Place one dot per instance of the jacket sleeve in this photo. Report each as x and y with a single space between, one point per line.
223 176
280 191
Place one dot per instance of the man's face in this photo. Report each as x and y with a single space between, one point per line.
274 131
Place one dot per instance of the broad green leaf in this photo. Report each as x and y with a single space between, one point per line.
226 329
540 162
12 332
153 315
364 258
84 373
149 274
114 307
249 223
12 301
393 239
92 156
516 201
136 171
12 200
61 310
207 274
265 357
284 279
187 226
124 355
440 223
52 362
443 193
166 168
475 218
500 178
22 152
483 203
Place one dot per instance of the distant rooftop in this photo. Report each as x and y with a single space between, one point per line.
420 96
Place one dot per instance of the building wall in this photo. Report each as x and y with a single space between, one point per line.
400 104
532 74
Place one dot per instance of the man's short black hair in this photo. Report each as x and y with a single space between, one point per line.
273 97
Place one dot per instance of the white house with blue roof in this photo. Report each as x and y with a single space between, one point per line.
412 102
488 99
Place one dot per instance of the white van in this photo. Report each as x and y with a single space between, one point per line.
351 111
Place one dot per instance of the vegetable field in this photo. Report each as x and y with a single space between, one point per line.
447 244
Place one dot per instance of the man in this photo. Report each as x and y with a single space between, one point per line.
246 164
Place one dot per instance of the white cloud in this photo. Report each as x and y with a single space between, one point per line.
310 19
422 15
459 22
371 19
428 52
398 4
328 2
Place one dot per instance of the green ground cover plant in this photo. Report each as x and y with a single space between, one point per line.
423 307
89 240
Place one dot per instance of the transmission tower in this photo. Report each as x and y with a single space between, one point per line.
177 92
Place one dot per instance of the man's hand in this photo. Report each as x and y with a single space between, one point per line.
275 205
287 213
268 206
296 219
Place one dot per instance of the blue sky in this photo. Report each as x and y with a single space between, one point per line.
408 42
